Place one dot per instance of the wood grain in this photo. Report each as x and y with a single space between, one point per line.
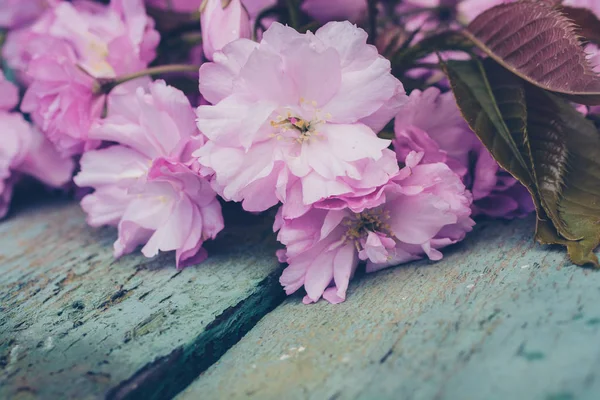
74 323
499 318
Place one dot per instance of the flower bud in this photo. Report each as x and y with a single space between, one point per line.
222 22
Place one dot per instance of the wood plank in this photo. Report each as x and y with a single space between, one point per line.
499 318
74 323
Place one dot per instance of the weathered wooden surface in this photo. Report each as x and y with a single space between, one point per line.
74 323
499 318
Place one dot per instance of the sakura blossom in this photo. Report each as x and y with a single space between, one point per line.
61 56
24 150
297 111
17 13
424 208
431 123
334 114
144 185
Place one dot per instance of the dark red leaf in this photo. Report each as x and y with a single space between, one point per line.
588 24
537 42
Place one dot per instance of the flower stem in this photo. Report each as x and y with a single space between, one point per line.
293 13
372 12
105 86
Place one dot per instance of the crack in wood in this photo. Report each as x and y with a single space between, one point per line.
167 376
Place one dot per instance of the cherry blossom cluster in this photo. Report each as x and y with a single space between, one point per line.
248 107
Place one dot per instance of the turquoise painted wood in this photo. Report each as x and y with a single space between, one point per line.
499 318
76 324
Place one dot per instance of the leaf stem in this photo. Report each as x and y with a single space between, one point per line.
105 86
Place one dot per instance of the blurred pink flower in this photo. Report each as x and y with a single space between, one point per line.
16 13
13 150
421 210
221 26
107 40
297 110
255 7
468 10
593 5
64 50
421 18
176 5
336 10
432 124
143 185
24 150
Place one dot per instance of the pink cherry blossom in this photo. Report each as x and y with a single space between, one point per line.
431 123
336 10
16 13
297 111
144 184
222 25
61 101
421 210
9 94
107 40
61 54
24 150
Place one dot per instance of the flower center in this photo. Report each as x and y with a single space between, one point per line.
294 125
359 225
301 129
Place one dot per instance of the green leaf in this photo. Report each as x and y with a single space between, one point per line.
542 141
495 110
406 57
546 147
568 148
168 21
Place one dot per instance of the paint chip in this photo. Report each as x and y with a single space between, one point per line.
284 357
524 266
49 344
471 286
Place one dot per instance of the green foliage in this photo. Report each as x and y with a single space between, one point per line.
545 143
517 101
